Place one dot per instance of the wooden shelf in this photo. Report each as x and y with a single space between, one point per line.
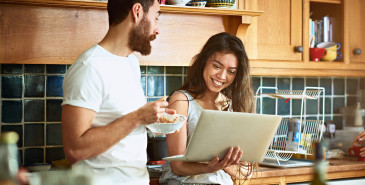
58 31
164 8
327 1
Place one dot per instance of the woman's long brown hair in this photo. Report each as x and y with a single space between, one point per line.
240 91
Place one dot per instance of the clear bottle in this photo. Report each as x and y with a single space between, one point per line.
8 158
320 166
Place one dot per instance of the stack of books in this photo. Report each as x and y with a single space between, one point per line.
320 30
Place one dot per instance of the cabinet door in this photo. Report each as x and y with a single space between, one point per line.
279 29
357 30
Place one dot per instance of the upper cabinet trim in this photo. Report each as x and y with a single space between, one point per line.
164 8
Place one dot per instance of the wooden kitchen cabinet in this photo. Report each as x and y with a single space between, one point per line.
284 25
279 30
356 30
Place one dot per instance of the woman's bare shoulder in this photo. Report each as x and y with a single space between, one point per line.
178 96
178 100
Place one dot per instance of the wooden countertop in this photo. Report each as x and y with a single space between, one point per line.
348 167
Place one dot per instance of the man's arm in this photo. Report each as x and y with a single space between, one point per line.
81 141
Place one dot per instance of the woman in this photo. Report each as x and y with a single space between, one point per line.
218 79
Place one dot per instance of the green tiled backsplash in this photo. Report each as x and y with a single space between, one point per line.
31 96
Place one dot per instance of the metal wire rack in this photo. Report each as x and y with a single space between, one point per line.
283 146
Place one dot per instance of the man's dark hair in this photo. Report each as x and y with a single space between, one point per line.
118 10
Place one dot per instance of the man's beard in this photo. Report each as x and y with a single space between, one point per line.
140 38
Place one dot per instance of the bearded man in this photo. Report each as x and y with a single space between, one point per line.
104 110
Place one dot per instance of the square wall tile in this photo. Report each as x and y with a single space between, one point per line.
338 121
268 106
20 157
54 86
143 69
339 86
11 86
351 101
143 83
296 107
173 83
34 85
327 84
268 82
54 154
152 99
54 134
283 107
362 83
33 110
34 68
155 70
185 70
15 128
312 107
311 82
12 111
174 70
33 155
298 84
256 83
352 86
11 68
155 85
283 83
34 134
327 105
338 104
54 110
52 69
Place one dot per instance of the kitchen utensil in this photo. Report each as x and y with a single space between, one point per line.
166 128
317 53
355 151
156 148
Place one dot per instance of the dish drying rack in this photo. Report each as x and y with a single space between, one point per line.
310 131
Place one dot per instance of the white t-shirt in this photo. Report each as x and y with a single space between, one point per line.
110 85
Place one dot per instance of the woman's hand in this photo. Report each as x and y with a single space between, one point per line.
232 157
360 139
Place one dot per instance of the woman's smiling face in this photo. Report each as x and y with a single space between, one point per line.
220 71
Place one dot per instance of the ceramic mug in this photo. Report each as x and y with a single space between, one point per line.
329 45
355 151
317 53
332 55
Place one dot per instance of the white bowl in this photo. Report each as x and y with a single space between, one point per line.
168 128
177 2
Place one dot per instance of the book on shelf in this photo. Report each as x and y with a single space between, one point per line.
320 30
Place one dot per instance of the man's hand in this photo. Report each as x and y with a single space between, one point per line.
150 112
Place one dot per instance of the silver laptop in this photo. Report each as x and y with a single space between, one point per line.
216 131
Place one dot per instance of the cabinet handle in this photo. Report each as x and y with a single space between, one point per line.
357 51
298 49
